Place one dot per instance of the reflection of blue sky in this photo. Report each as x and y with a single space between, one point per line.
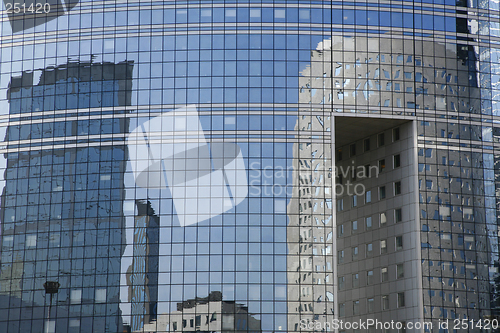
239 250
373 16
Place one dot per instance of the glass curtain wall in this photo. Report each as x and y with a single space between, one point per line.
169 164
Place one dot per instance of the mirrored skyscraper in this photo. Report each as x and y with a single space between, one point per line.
68 224
248 165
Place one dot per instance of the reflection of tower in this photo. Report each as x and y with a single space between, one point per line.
409 258
62 201
143 273
310 230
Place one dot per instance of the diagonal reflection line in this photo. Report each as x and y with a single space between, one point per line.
147 142
228 187
226 181
164 170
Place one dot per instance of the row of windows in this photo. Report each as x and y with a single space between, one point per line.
384 277
369 249
369 223
367 171
367 146
397 190
370 304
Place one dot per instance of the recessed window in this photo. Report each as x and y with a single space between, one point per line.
381 165
368 196
354 200
367 171
369 277
397 188
401 299
384 272
352 149
355 280
342 310
340 256
369 249
355 307
395 134
399 243
366 144
371 305
339 154
355 253
340 205
354 226
381 139
341 282
397 161
381 192
383 246
398 215
400 271
383 218
340 230
369 223
385 302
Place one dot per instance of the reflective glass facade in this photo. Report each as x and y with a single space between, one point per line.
248 166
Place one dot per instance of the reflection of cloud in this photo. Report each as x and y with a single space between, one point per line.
205 180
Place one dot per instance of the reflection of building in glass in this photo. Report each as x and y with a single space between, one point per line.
268 77
384 241
310 263
207 314
62 200
143 273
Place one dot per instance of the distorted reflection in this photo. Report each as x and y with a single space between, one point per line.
206 314
62 215
310 229
142 275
